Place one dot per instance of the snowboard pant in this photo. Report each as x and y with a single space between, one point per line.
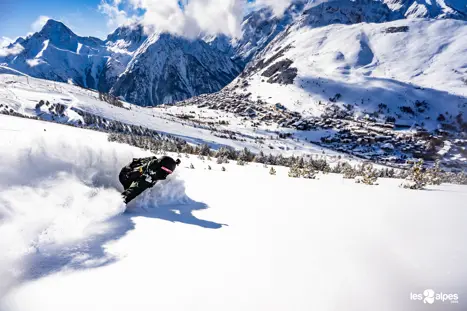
124 180
134 189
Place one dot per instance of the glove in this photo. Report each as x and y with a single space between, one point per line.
178 162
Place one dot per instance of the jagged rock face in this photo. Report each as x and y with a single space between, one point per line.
122 44
56 53
259 28
63 38
167 69
129 38
456 9
146 71
347 12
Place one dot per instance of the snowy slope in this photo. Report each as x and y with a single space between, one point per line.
21 94
394 64
212 240
220 120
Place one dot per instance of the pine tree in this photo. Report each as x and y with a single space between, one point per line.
402 174
279 160
227 152
369 175
349 171
308 172
246 155
338 168
321 165
260 158
294 171
272 171
204 150
271 160
434 176
240 162
187 149
416 177
301 163
460 178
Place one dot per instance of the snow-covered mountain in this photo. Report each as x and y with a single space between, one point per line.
56 53
358 68
160 68
183 69
341 81
261 26
166 69
410 70
122 44
258 29
429 8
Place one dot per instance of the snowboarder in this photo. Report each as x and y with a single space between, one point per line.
143 173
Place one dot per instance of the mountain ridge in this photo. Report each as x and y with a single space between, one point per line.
57 53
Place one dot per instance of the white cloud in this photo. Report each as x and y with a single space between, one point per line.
115 16
195 17
39 23
278 6
207 16
14 50
5 41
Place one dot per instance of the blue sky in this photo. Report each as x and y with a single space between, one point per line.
19 17
82 16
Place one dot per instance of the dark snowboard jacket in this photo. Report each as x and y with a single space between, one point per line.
143 173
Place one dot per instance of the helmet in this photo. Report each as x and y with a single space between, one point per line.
168 164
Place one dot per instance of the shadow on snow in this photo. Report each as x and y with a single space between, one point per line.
166 201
